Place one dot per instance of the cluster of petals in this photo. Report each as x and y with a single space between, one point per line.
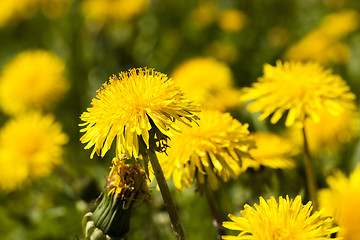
341 200
298 90
210 150
31 145
128 106
287 219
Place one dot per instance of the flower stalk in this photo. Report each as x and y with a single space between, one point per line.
178 228
217 221
310 174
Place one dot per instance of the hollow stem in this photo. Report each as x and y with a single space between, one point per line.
168 200
310 175
217 222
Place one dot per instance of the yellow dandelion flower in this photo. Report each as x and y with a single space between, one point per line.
330 132
30 146
340 24
271 151
287 220
128 106
232 20
323 43
214 148
11 11
300 89
342 201
208 82
204 14
32 80
113 10
318 46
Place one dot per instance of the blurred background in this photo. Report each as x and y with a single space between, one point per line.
90 40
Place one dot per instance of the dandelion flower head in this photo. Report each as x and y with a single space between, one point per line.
128 181
342 201
331 132
339 24
232 20
287 220
204 14
323 44
32 80
319 47
11 11
113 10
31 146
301 90
208 82
131 104
208 151
53 8
272 151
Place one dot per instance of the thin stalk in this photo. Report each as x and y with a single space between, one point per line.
310 175
168 200
217 222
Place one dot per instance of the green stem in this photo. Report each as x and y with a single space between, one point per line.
217 222
168 200
310 175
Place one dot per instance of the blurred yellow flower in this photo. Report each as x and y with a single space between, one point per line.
301 90
287 220
128 106
214 148
342 201
232 20
319 47
204 14
207 82
329 132
11 10
271 151
340 24
113 10
323 44
30 146
32 80
53 8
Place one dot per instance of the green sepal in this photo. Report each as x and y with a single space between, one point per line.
98 235
87 217
111 217
89 229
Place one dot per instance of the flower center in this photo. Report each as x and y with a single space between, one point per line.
281 234
31 146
